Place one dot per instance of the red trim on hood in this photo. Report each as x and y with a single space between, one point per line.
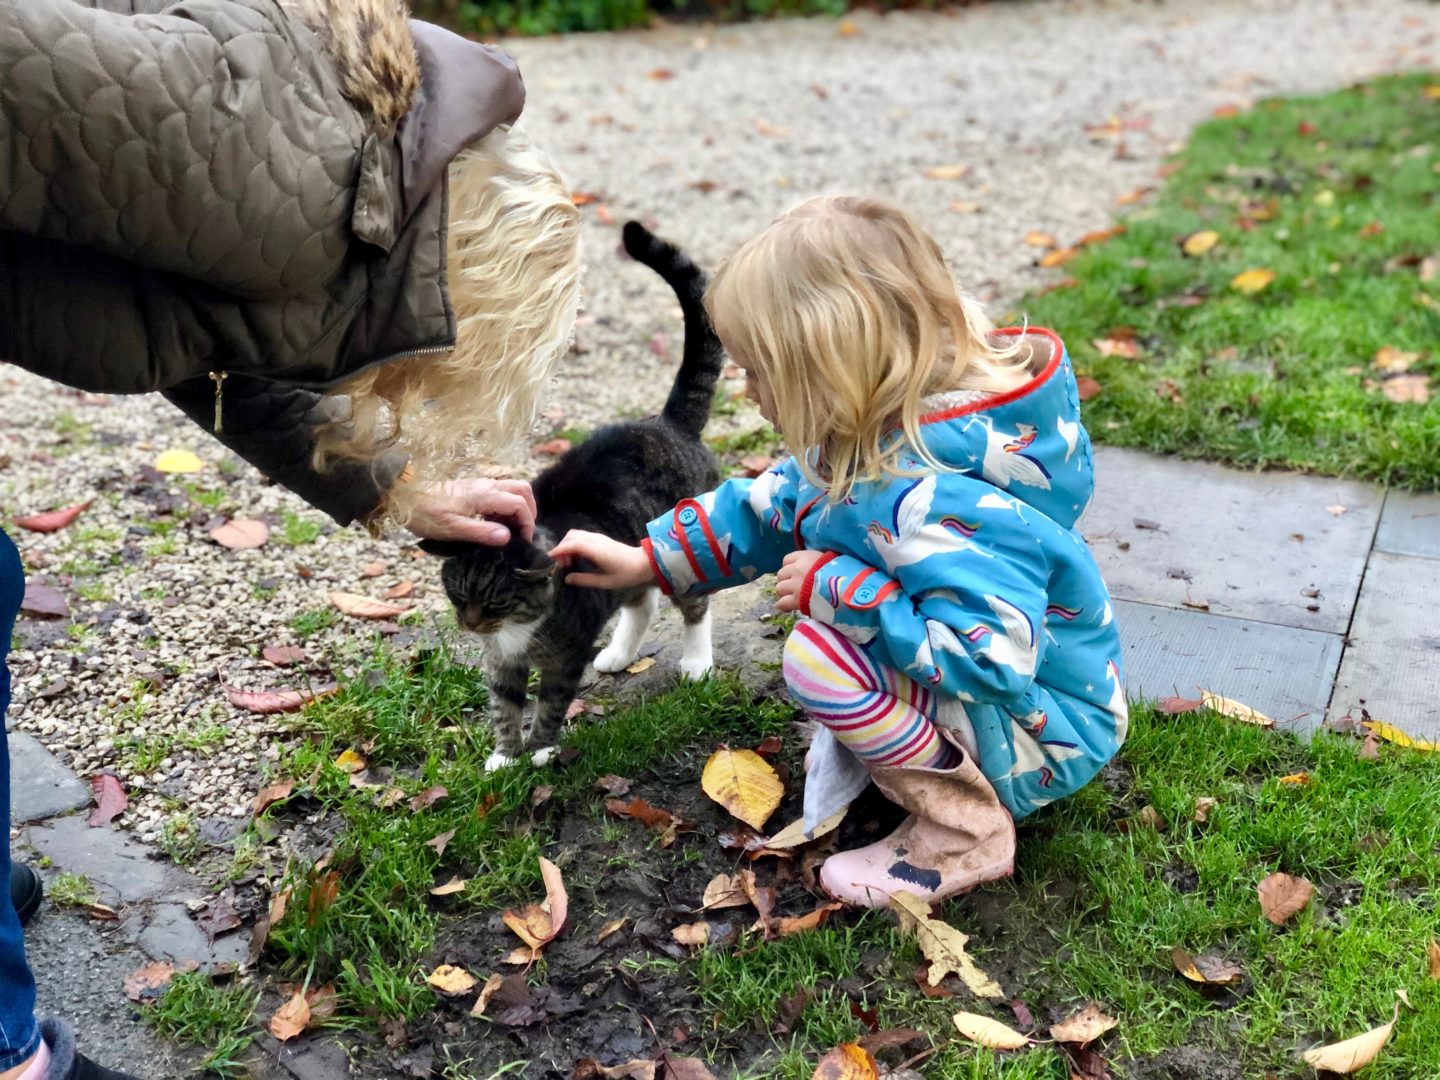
1057 351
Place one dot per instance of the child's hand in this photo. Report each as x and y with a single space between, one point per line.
792 577
617 565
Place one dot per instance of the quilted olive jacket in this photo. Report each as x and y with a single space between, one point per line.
252 189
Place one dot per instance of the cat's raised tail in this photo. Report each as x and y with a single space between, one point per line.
693 392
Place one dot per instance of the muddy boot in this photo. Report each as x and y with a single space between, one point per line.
958 835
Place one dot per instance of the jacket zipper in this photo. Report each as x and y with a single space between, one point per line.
218 378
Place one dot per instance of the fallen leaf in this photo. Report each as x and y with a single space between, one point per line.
1058 257
1392 361
635 1069
989 1033
848 28
241 534
101 912
1337 510
1203 806
362 607
110 800
1199 243
584 198
799 924
1125 348
440 842
349 761
1391 734
538 924
660 74
923 984
1299 779
849 1061
1281 896
270 794
522 955
724 891
1251 282
278 903
1150 818
291 1018
947 172
1087 387
178 461
264 702
53 520
890 1037
551 447
399 591
372 569
1207 970
1352 1055
610 928
652 817
694 934
1131 197
771 131
1407 389
744 783
1235 710
1099 236
487 992
761 897
429 797
540 795
965 206
615 785
1041 240
686 1069
1434 956
1084 1027
793 835
323 894
44 601
149 982
1370 748
449 979
220 916
283 655
942 945
574 709
1085 1063
450 888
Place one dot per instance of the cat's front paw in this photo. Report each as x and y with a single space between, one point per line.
498 760
543 756
696 668
612 660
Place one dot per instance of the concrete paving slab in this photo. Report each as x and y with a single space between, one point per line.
40 786
1392 664
171 934
1250 545
1410 525
1284 672
120 869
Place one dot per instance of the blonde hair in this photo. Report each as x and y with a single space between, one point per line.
846 311
513 256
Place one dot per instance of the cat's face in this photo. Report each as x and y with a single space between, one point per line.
491 587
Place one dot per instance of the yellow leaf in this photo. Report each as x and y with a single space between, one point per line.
291 1018
1041 240
178 461
1390 733
449 979
1235 710
696 933
1282 896
724 891
1251 282
744 783
487 991
454 885
1325 198
1299 779
1433 91
793 835
848 28
645 663
847 1062
611 927
801 923
988 1032
1199 243
943 946
1393 361
947 172
350 762
1084 1027
1352 1055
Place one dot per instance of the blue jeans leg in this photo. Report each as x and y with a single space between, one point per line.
19 1034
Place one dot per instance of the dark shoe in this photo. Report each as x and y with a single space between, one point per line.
25 891
65 1063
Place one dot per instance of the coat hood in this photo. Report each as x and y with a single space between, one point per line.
1028 442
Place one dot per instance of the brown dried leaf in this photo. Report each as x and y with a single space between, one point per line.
1407 389
611 928
1084 1027
1171 705
487 992
793 835
849 1061
1282 896
801 923
110 800
1434 956
645 663
1392 361
1203 805
44 601
1088 387
429 797
53 520
1059 257
450 888
241 534
400 590
1124 347
270 794
724 891
693 934
1041 240
1352 1055
372 569
362 607
149 982
292 1018
1206 970
947 172
283 655
614 785
1235 710
440 842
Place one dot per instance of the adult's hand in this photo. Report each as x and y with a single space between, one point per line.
477 511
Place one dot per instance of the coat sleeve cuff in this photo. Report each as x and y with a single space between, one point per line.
808 585
844 590
660 578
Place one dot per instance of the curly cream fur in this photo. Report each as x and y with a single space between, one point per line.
373 52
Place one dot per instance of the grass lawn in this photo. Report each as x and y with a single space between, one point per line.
1097 903
1336 197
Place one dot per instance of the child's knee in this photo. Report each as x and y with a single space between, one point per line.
810 656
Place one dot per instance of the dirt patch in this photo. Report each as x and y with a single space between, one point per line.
1185 1063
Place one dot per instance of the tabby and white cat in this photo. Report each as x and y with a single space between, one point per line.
614 483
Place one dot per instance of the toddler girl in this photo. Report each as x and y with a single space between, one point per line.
956 642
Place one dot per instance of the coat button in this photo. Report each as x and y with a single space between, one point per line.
865 595
688 516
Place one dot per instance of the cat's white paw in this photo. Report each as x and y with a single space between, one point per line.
612 660
497 760
696 668
543 756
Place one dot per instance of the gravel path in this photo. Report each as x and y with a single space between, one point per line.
1055 108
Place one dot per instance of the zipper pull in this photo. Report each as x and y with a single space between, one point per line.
218 378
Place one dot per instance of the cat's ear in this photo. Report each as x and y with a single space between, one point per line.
445 549
538 573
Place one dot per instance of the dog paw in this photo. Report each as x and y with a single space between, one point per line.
497 760
695 668
543 756
612 660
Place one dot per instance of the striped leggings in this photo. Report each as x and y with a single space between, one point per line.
881 715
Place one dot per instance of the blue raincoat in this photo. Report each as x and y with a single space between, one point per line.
974 582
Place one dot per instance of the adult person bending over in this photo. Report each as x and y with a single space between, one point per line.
308 224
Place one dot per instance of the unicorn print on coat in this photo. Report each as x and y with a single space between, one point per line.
973 580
